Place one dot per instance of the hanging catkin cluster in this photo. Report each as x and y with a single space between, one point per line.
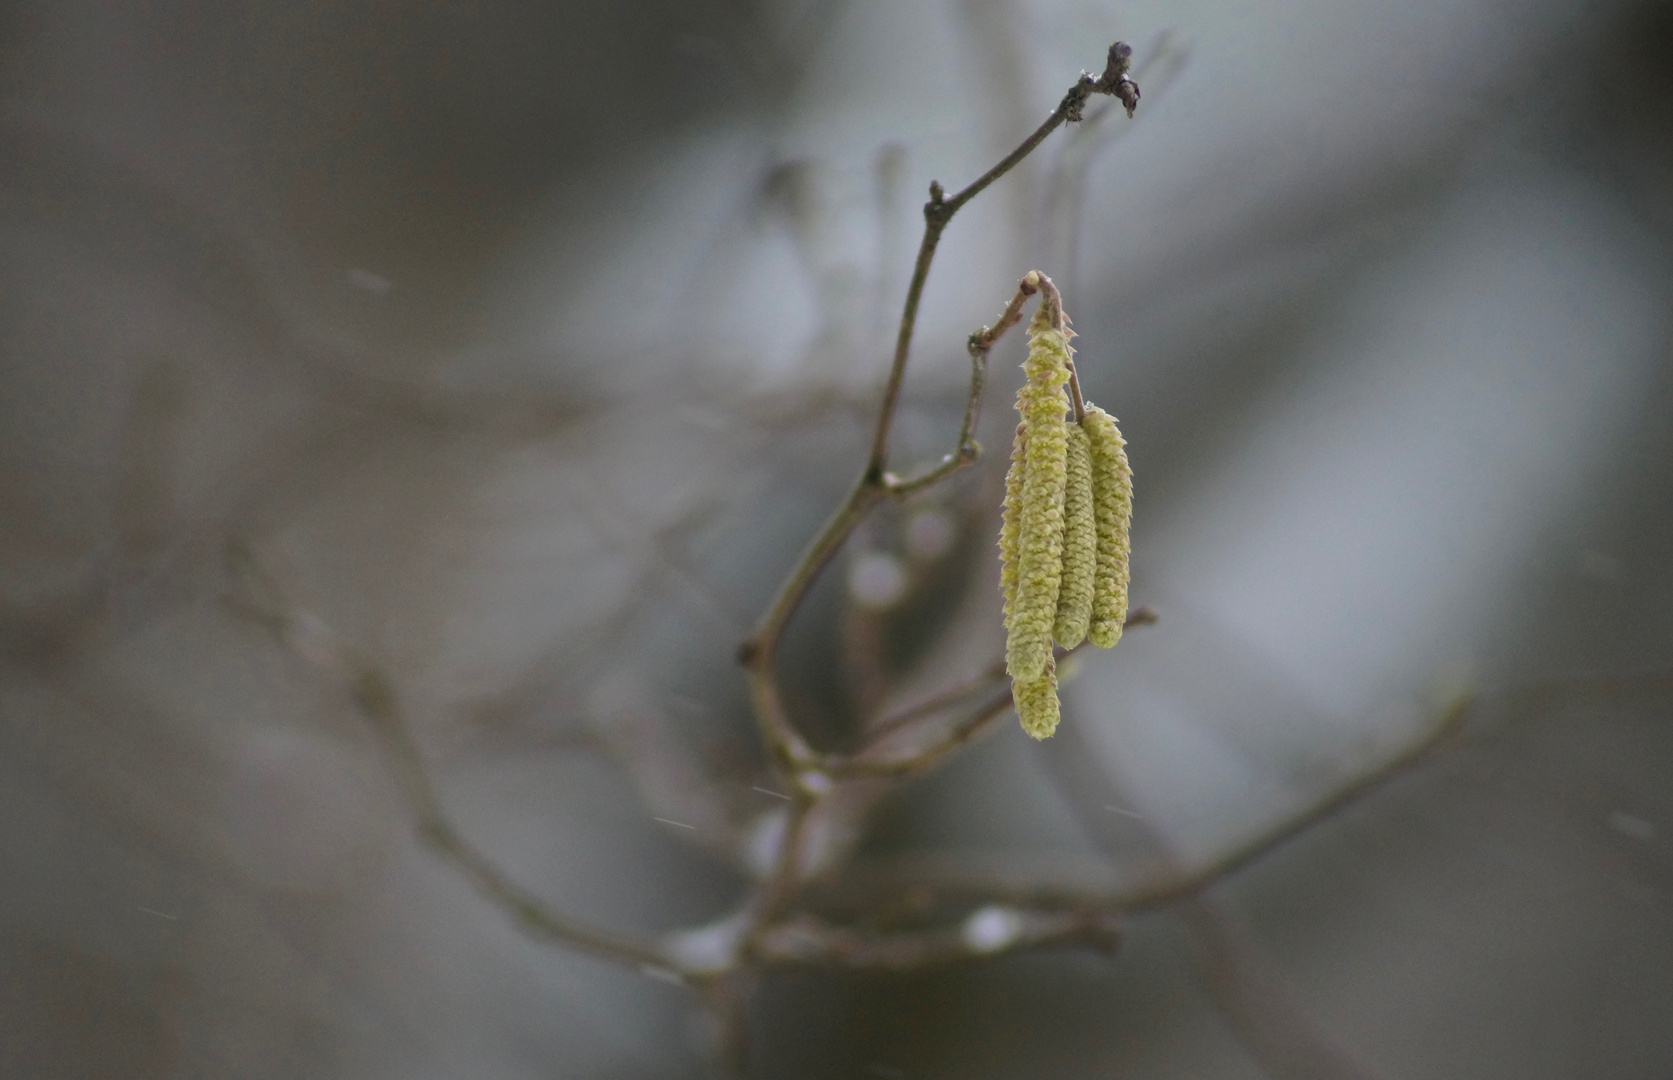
1063 542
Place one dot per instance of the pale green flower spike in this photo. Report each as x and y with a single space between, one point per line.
1010 523
1112 500
1042 403
1036 702
1080 545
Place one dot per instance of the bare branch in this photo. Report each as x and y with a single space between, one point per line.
936 703
307 636
1188 882
922 758
1067 187
888 727
1264 1015
940 210
786 746
988 931
967 449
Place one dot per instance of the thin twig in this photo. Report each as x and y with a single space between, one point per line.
308 637
1066 199
940 210
952 883
971 727
986 932
1168 889
952 695
967 450
920 759
376 700
1268 1021
936 703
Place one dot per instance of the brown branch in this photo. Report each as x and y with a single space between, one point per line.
310 638
988 931
785 745
979 345
1263 1014
940 210
939 702
376 700
967 449
1186 883
936 703
1066 189
922 758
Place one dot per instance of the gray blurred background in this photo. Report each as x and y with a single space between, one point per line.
525 344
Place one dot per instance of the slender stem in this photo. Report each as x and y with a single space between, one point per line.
940 210
952 695
310 638
921 759
771 897
1190 882
757 652
808 940
935 220
376 699
1074 394
935 703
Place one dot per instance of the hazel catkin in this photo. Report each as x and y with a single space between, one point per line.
1042 403
1036 702
1080 544
1112 501
1010 523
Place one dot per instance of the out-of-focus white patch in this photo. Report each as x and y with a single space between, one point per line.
661 974
876 581
991 928
764 841
930 534
709 948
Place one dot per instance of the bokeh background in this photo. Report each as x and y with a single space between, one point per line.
524 345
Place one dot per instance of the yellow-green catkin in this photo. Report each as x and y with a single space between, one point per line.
1011 523
1036 702
1042 403
1080 544
1112 503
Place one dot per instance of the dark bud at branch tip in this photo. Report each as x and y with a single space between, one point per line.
1128 91
1115 66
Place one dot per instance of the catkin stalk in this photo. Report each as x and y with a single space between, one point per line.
1042 402
1112 502
1036 702
1080 544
